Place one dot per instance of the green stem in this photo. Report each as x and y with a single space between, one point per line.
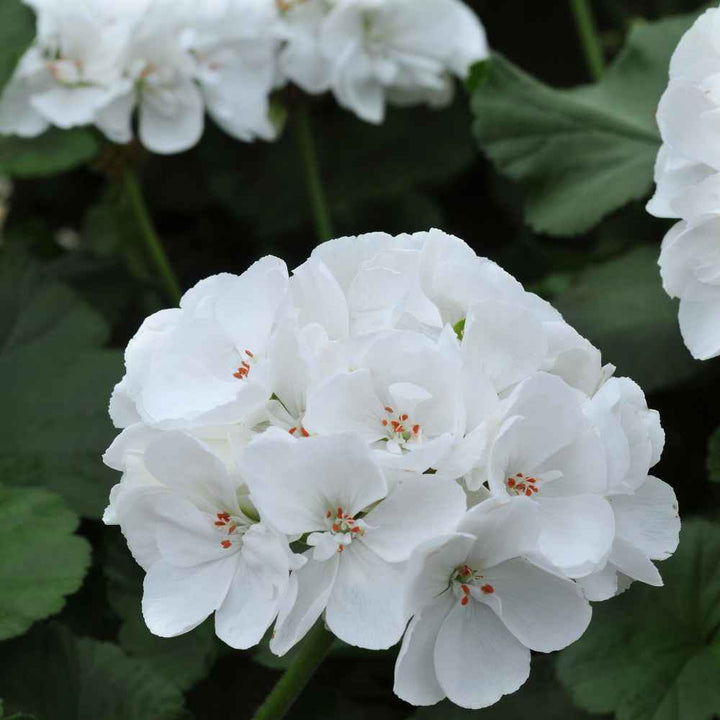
310 654
311 167
589 37
135 199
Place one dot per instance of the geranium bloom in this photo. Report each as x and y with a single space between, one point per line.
181 513
479 608
360 532
356 410
688 186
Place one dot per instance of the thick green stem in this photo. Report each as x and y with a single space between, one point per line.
589 37
156 252
311 653
311 168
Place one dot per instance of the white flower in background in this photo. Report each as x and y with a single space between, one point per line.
480 606
357 409
690 268
688 185
71 72
203 552
360 532
404 51
302 60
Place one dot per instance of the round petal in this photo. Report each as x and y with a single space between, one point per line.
545 612
366 606
415 679
477 660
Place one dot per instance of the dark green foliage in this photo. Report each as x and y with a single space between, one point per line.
653 653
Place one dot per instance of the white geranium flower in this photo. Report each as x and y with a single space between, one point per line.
690 267
206 362
686 116
181 513
404 399
360 534
236 51
302 60
647 525
404 51
70 73
647 528
480 606
546 450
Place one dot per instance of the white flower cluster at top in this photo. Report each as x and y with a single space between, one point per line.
688 184
396 433
97 61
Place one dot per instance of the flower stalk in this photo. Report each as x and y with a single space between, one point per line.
311 168
156 252
589 37
310 655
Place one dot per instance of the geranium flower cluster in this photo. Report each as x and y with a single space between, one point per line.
688 184
97 62
398 439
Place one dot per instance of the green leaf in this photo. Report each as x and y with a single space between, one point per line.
541 698
17 31
581 153
54 151
713 457
55 382
181 660
412 149
620 306
42 561
654 653
56 676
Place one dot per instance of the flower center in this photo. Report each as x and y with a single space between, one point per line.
245 366
520 484
399 426
465 579
344 525
230 528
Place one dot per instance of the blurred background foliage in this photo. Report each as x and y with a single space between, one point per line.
535 169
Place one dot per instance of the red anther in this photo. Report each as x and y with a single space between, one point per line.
416 429
232 529
304 432
532 480
292 430
465 589
249 354
226 544
388 409
395 425
529 492
511 483
520 475
534 489
335 527
521 487
466 570
328 514
400 429
355 529
384 422
341 548
245 365
220 523
403 417
488 589
465 600
339 512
